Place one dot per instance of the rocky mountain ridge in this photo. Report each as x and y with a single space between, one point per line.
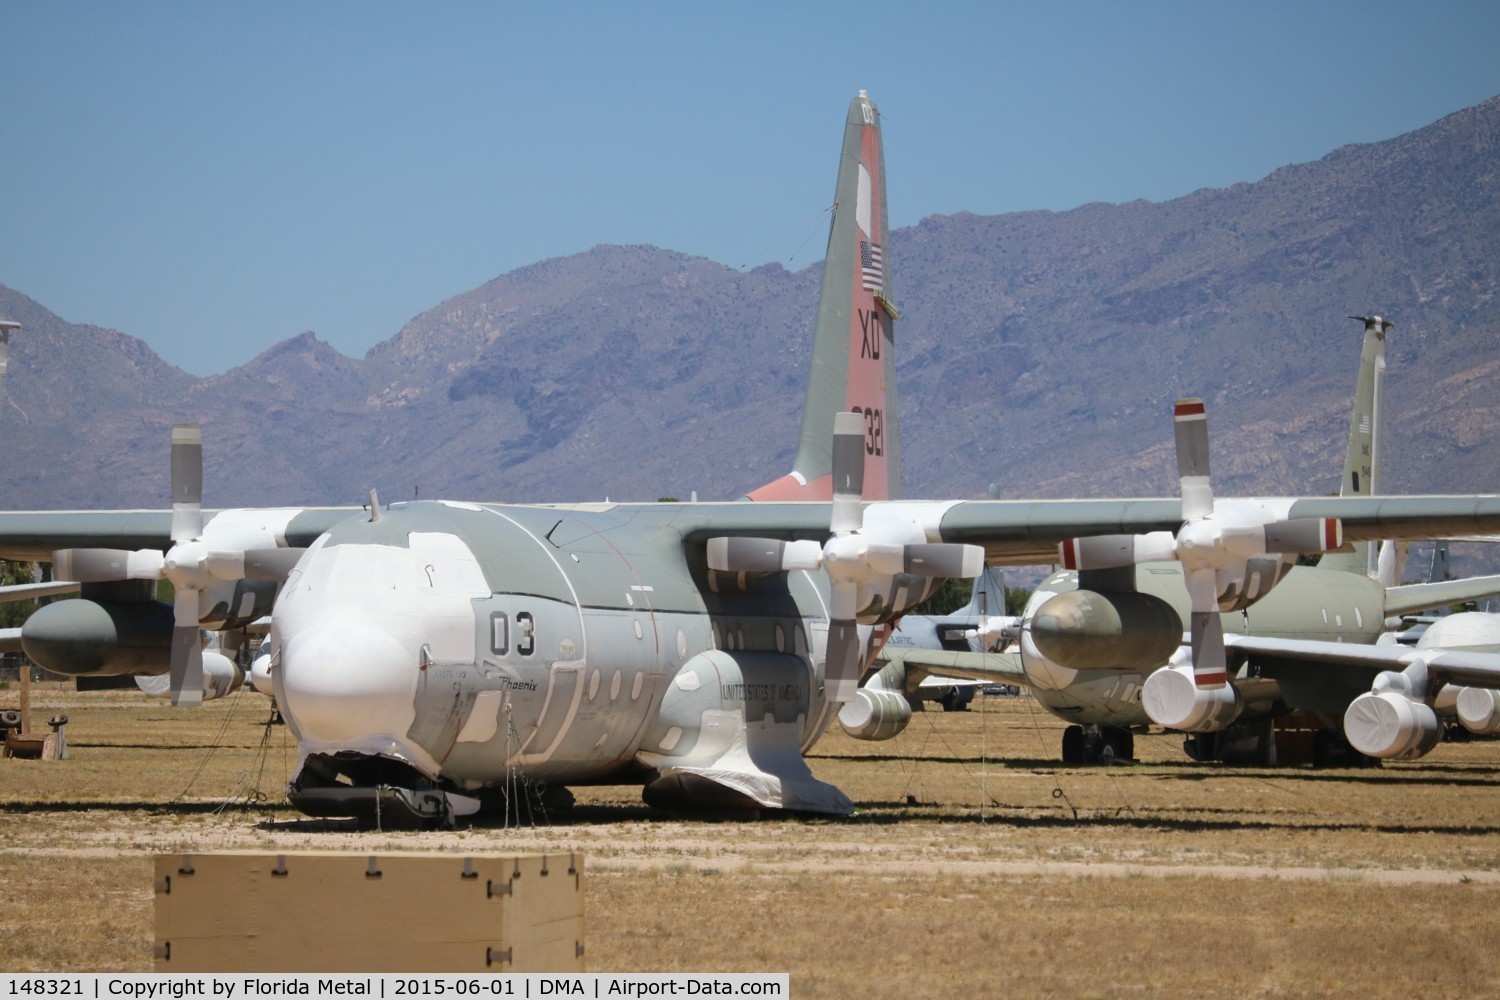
1040 351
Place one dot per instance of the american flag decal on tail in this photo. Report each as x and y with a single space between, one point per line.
872 265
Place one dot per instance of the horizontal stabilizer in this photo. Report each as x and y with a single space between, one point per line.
1427 596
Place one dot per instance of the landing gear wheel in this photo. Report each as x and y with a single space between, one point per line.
1073 751
1202 747
1119 744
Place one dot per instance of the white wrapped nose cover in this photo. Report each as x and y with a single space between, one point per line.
345 683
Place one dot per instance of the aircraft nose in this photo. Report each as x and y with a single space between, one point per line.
342 683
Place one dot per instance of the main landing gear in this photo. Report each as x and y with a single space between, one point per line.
1097 745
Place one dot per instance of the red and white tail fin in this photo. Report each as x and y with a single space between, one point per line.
853 361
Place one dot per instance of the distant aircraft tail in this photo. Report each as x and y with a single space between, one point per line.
988 595
995 628
853 360
1362 459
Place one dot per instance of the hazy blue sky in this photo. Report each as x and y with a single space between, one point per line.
214 178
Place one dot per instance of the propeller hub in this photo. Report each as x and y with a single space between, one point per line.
186 565
1200 542
844 558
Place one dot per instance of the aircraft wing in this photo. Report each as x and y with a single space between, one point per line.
1019 532
1470 668
1012 532
10 638
32 536
919 664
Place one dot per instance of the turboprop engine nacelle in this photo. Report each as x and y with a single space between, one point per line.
1479 710
83 637
879 710
1173 700
875 714
221 677
1393 721
1096 629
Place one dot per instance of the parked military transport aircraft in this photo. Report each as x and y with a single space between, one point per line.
433 656
1070 659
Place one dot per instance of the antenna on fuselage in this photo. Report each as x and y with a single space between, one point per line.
374 505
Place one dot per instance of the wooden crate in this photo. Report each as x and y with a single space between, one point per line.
248 911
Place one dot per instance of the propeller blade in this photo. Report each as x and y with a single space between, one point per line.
734 554
187 651
1210 664
848 472
187 482
1113 551
841 667
1190 421
944 559
106 565
882 558
1305 534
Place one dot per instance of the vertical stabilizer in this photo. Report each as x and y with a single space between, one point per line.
6 326
988 596
1362 460
1440 570
853 360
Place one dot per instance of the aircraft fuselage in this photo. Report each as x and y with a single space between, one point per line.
478 643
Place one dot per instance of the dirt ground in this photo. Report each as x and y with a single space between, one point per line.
974 862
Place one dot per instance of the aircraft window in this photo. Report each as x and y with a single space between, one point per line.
526 629
500 633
